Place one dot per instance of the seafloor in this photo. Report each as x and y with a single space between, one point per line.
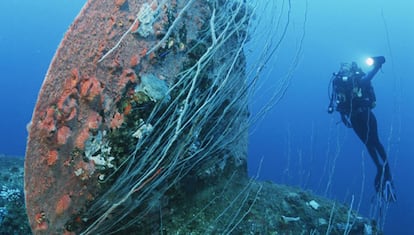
238 206
13 219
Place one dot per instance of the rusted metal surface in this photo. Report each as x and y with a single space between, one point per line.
78 98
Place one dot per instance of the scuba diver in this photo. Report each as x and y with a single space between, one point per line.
353 96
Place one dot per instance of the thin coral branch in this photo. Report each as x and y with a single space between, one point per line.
171 28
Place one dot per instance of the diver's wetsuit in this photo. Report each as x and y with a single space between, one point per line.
354 98
364 124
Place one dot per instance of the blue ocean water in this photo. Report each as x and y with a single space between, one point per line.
300 143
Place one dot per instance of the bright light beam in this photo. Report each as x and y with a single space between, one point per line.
369 61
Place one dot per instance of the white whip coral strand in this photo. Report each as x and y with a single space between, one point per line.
170 30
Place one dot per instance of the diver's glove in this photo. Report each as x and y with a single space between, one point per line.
378 60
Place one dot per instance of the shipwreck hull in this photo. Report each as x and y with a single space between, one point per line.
104 120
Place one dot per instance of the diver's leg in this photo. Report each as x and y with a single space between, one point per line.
362 127
373 137
372 142
378 147
383 179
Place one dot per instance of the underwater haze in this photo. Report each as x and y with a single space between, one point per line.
303 145
299 143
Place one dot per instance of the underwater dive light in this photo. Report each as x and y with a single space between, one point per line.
369 61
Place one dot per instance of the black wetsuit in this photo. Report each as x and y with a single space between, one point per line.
354 98
364 124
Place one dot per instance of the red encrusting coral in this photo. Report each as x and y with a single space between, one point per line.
63 204
41 223
74 78
128 76
67 106
52 157
67 103
94 120
82 136
117 120
90 88
143 52
135 26
63 134
48 124
134 61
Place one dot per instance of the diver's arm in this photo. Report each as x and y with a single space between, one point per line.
370 75
378 61
345 120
